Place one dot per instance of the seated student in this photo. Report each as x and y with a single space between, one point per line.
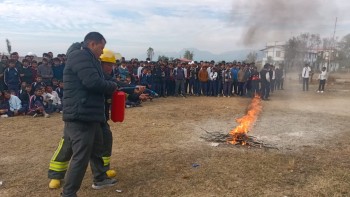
23 87
128 81
4 106
36 104
59 90
54 83
37 84
14 103
52 99
25 97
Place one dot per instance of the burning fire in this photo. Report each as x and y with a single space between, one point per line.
239 134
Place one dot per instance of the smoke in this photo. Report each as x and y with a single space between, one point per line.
268 20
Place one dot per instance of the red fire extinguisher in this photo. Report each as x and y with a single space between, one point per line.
118 106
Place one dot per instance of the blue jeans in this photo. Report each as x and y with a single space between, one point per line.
204 87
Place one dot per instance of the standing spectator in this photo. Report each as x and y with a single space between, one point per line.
227 81
322 77
241 80
159 80
234 73
61 58
255 82
45 71
273 78
193 79
12 77
169 80
265 82
15 56
305 74
213 82
26 72
3 66
209 70
187 77
248 81
180 77
203 80
220 69
279 74
57 69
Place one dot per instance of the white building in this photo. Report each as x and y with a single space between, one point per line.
274 51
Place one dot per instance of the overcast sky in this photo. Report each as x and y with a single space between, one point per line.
131 26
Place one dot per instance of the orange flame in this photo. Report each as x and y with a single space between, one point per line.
238 134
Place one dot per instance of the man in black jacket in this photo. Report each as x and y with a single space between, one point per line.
83 112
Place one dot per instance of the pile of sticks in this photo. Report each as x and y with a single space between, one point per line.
241 139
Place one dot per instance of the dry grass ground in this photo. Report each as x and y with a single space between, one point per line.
157 145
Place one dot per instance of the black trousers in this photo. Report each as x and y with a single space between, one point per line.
321 85
306 84
86 143
60 160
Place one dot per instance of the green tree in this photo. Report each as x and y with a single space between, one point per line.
9 47
251 57
150 53
188 55
344 51
298 47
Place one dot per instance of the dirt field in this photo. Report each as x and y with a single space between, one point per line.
159 151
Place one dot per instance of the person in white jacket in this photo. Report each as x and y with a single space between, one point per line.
322 77
52 99
305 74
15 104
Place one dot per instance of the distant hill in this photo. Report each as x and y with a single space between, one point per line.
238 55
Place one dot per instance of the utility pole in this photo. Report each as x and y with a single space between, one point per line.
332 44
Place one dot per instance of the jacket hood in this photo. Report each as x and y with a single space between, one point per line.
74 47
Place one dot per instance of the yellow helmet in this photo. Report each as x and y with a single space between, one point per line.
108 56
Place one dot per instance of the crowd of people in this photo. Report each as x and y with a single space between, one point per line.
29 87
